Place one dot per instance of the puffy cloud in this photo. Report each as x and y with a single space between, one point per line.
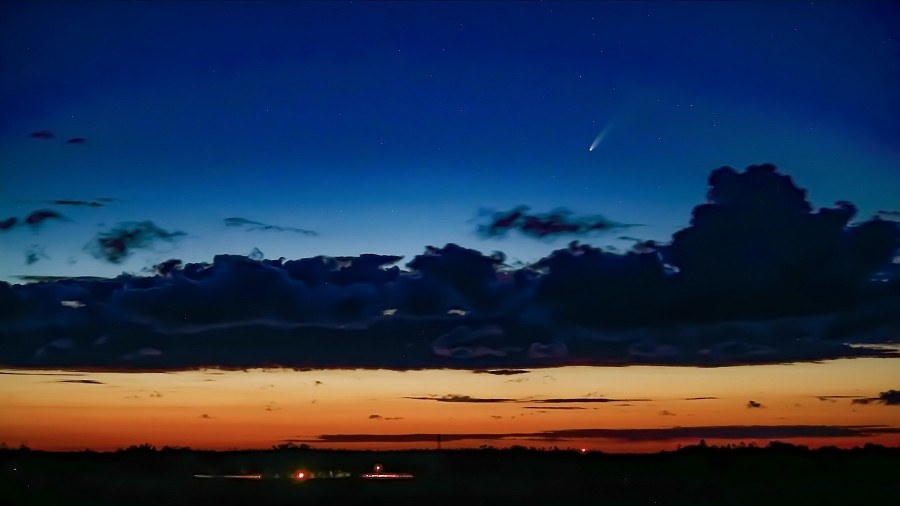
743 284
117 244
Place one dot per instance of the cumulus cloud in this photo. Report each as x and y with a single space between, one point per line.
888 398
728 432
120 242
559 222
258 226
742 284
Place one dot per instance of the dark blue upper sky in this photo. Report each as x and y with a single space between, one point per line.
385 127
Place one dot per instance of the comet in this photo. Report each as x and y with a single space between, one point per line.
600 136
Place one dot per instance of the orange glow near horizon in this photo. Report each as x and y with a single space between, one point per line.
213 409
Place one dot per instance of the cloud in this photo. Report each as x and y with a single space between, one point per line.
501 372
699 398
83 381
156 394
76 140
462 398
742 284
559 222
379 418
117 244
833 398
31 373
34 254
666 412
34 219
204 415
888 398
567 400
8 223
77 203
727 432
554 407
251 225
578 400
37 218
42 134
753 404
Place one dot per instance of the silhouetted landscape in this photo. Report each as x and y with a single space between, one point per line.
697 474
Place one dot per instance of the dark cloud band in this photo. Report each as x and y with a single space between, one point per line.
758 277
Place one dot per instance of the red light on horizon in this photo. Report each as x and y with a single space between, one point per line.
300 475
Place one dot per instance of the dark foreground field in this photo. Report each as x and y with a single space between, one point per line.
781 474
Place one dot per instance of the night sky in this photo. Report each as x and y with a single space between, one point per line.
387 195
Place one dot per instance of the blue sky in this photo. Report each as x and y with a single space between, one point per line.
385 127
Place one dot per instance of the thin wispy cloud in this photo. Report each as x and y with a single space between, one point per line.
251 225
725 432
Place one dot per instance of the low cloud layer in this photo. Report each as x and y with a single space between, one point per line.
728 432
742 284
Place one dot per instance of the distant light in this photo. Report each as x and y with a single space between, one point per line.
378 468
389 312
584 450
300 475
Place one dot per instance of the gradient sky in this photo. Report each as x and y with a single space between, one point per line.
387 127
